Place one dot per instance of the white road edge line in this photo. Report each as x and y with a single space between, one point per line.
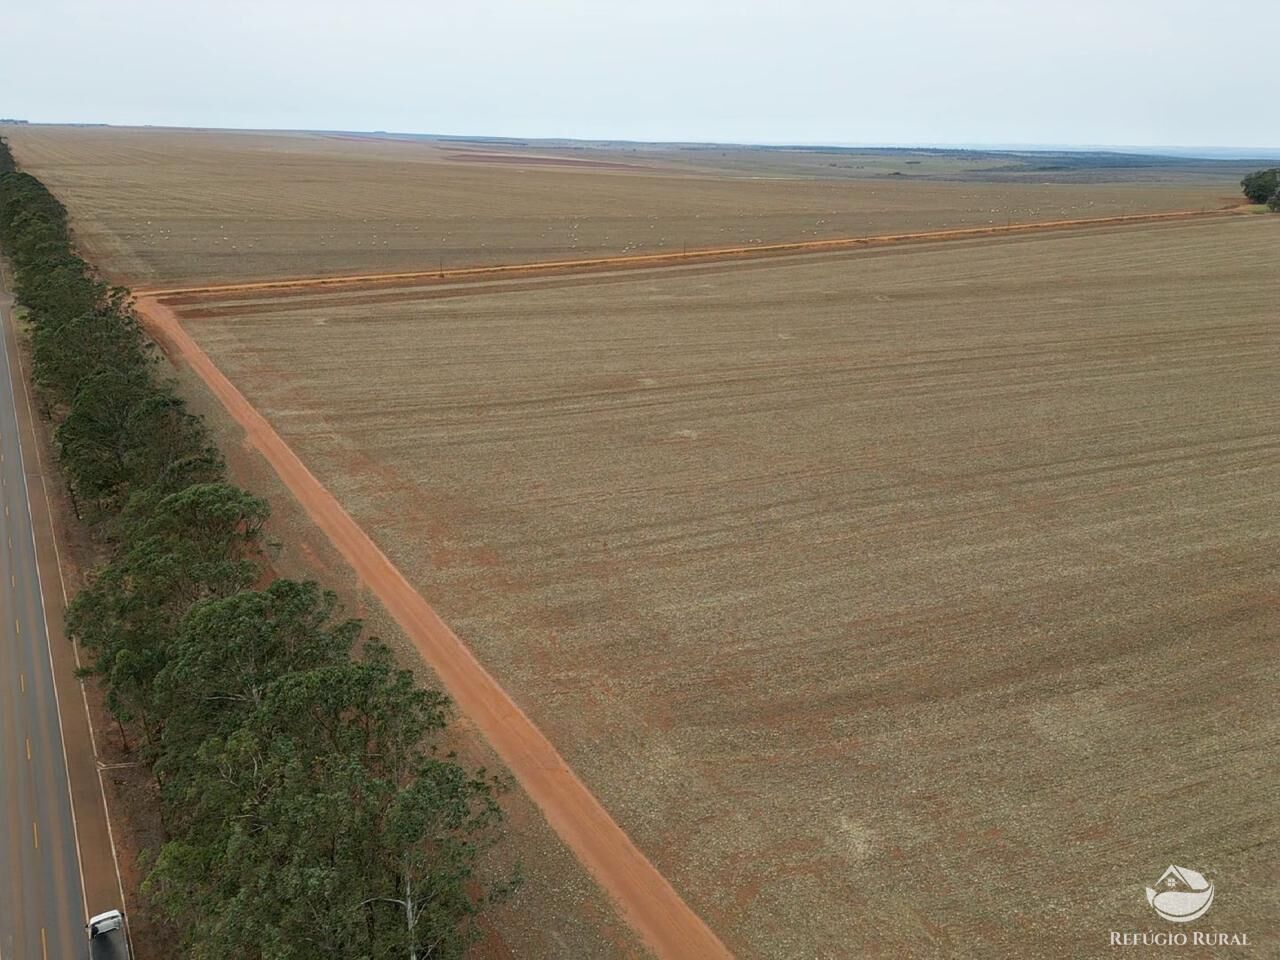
35 553
53 536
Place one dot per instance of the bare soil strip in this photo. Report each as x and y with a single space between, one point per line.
535 268
647 900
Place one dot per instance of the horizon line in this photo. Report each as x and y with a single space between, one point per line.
1220 152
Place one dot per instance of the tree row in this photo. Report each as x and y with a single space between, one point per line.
308 809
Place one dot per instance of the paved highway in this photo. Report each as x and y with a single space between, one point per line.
42 910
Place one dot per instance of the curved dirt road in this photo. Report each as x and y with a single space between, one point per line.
540 267
646 899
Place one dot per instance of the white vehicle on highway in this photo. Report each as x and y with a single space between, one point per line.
107 938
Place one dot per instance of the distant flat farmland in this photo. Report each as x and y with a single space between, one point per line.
155 206
916 602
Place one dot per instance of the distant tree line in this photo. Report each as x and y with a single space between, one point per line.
1263 186
307 810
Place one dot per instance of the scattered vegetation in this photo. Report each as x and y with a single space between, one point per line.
307 810
1262 186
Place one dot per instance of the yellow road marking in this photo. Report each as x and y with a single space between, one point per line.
35 834
22 680
28 749
17 627
44 947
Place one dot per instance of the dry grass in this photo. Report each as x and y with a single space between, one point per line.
920 602
163 206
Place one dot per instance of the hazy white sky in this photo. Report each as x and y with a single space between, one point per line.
1135 72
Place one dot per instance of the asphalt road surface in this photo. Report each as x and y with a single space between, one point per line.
42 911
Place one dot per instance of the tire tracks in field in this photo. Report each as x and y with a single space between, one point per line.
643 896
646 899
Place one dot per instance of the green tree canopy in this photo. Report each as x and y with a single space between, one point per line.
1261 185
228 651
70 351
197 545
122 433
326 826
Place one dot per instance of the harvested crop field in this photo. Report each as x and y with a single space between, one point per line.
157 207
911 602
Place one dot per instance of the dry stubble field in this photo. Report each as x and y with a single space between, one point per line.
158 207
915 602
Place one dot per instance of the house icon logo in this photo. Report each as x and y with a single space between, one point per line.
1181 895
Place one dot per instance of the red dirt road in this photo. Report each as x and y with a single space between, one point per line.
646 899
537 268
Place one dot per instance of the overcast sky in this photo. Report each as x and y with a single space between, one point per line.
1130 72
